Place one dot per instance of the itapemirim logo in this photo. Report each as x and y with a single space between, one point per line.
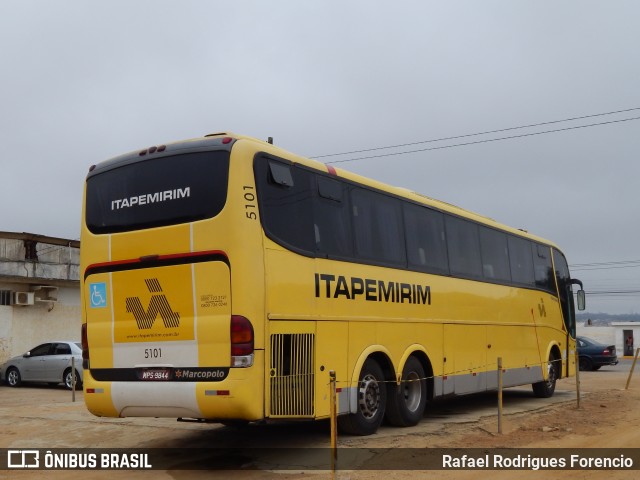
157 305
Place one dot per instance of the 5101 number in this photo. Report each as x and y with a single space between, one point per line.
152 353
250 205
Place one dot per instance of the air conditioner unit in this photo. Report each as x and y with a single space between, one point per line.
45 293
23 298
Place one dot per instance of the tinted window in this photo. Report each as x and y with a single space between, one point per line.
543 269
377 227
158 191
281 174
495 255
521 261
62 349
41 350
286 210
464 247
565 291
332 227
425 238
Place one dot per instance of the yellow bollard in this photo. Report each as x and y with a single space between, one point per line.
334 421
499 394
635 359
577 361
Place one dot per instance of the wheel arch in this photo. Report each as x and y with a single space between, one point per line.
382 357
555 351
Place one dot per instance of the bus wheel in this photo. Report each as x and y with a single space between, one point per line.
372 398
406 403
546 388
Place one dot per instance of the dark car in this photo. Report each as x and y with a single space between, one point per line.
49 362
593 355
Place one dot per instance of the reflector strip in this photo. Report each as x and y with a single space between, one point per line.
217 392
95 390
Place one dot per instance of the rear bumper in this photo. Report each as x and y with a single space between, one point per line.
238 397
602 361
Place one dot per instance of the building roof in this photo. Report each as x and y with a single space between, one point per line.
40 238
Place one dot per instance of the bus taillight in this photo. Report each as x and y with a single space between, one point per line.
85 347
241 342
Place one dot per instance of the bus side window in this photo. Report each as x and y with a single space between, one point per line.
563 280
521 260
285 199
495 255
426 246
543 268
464 247
377 227
331 219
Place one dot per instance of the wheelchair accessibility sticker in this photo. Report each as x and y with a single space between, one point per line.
98 295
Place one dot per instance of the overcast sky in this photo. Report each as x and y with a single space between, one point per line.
82 81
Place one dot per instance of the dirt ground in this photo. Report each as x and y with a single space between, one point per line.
608 417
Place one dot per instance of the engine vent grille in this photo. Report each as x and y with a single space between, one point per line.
291 375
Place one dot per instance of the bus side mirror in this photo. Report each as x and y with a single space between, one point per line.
581 299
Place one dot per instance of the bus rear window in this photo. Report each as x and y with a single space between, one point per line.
157 192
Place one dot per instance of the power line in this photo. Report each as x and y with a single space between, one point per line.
483 141
603 268
477 134
612 293
585 267
598 264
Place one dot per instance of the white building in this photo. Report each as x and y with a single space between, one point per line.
624 335
39 291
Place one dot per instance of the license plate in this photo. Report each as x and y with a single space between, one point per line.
154 374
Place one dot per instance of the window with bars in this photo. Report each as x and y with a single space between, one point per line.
5 297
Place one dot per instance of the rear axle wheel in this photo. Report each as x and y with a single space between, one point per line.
372 399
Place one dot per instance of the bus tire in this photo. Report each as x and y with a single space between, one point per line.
545 388
372 399
406 402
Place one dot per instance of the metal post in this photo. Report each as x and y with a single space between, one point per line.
73 379
334 421
577 362
499 394
635 359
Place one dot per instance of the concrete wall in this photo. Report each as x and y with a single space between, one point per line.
599 334
49 267
53 261
24 327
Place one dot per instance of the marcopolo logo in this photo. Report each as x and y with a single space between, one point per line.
200 374
158 305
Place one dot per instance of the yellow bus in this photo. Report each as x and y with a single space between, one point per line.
224 278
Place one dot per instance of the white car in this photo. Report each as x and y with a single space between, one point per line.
49 363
